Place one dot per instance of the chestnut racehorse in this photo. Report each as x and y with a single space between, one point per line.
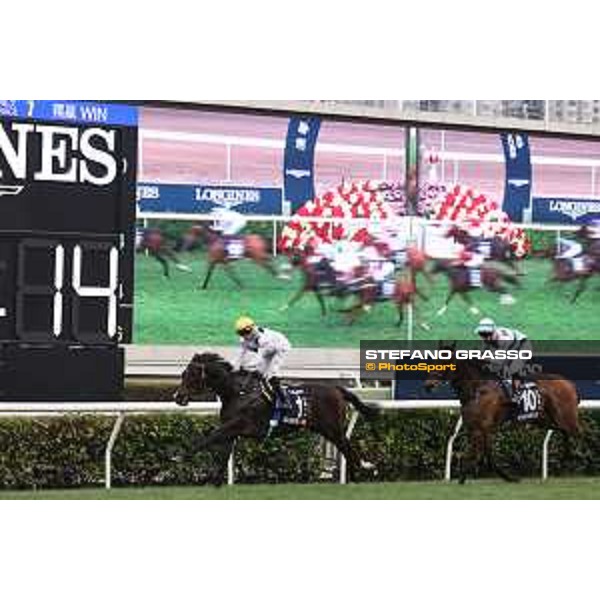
254 247
485 406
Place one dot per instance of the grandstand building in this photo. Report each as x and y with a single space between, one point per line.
561 111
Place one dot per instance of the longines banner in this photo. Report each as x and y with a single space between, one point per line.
203 199
299 160
518 188
570 211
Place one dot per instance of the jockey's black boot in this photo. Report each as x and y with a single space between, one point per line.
514 407
507 386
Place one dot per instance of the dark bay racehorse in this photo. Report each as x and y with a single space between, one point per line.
492 280
320 279
154 242
498 250
246 412
254 247
564 271
317 278
485 406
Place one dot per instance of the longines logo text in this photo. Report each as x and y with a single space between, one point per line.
574 210
67 154
228 198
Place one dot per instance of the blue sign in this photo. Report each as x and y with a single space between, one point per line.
203 199
570 211
70 111
414 390
299 162
519 175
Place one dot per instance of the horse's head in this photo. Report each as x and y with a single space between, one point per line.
202 379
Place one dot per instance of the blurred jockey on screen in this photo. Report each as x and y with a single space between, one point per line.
228 222
571 251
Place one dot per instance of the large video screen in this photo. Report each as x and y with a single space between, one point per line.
194 164
540 196
335 232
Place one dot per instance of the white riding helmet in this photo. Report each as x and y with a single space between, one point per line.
486 326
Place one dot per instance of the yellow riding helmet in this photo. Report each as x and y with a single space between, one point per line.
244 324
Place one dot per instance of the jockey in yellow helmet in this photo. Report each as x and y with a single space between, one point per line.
263 350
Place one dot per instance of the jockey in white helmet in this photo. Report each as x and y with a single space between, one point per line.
571 251
228 222
503 338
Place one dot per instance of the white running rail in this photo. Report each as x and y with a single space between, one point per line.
123 410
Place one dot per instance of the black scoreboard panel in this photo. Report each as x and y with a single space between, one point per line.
67 227
61 288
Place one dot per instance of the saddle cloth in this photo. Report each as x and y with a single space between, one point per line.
386 289
235 247
475 278
295 410
529 402
298 398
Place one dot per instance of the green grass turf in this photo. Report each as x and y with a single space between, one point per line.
557 489
176 311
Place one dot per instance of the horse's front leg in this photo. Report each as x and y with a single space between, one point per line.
211 268
321 301
337 436
442 311
218 475
163 262
492 464
580 289
232 275
472 308
400 307
223 435
470 466
297 297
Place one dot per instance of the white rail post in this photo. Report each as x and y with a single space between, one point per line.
231 467
109 448
343 461
450 449
546 454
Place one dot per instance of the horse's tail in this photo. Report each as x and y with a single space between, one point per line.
364 409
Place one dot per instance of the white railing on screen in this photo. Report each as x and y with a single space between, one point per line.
166 216
446 157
